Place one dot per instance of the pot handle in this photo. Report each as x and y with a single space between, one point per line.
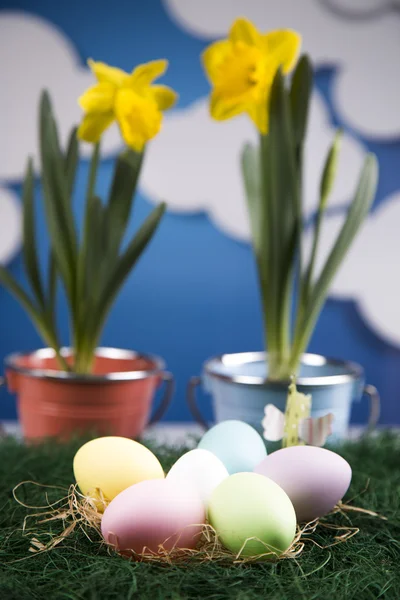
168 378
374 406
194 382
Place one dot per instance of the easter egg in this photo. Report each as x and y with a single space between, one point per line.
247 505
153 513
199 469
112 464
238 445
315 479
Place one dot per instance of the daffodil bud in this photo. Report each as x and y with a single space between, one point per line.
330 169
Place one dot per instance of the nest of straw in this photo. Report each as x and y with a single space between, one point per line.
75 511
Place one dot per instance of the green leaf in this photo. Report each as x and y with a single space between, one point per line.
300 93
89 232
57 203
122 193
356 215
52 277
40 320
94 163
91 266
284 208
29 236
61 189
300 96
327 181
53 222
95 246
50 308
282 171
266 251
288 271
122 269
251 170
71 161
16 290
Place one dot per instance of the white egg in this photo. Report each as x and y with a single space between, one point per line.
201 470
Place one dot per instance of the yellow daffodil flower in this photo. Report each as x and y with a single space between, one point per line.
129 99
242 68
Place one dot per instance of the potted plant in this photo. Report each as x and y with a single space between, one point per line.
83 387
248 75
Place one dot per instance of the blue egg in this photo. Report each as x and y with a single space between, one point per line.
238 445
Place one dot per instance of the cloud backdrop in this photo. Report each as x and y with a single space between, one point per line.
195 165
10 225
54 64
364 51
370 274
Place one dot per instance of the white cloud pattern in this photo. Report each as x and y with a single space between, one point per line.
195 165
361 8
10 225
34 54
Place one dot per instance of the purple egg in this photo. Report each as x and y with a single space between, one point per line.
153 513
315 479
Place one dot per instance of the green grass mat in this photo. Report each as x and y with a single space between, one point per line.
365 567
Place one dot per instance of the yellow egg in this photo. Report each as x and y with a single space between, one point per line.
106 466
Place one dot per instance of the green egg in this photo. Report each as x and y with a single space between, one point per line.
248 505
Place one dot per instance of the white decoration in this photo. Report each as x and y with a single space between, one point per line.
195 165
367 91
313 431
273 423
370 273
10 225
34 54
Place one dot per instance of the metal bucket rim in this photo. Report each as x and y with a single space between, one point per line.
355 371
105 352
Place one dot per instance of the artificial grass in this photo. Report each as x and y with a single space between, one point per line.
365 567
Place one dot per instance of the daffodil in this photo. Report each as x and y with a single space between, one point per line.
242 68
131 99
248 73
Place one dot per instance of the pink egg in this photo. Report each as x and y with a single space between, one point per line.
153 513
315 479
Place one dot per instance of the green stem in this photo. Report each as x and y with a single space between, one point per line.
307 314
78 324
296 262
310 271
303 329
284 323
85 358
301 342
266 263
61 360
306 281
93 172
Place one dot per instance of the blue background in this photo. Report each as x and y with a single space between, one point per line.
194 293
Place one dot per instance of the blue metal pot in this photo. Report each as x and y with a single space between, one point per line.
240 389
